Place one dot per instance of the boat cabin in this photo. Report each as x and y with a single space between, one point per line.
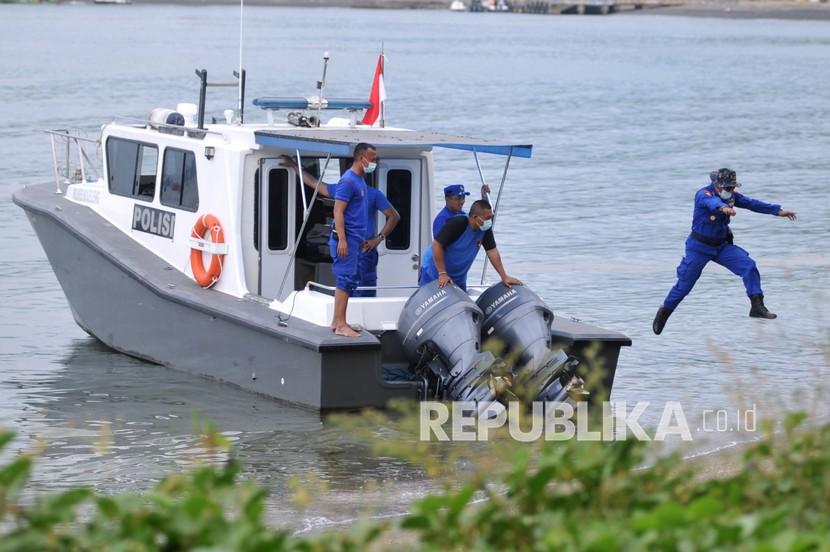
161 178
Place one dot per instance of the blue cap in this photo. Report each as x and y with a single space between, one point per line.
455 190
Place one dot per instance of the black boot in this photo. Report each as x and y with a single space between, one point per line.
759 310
660 319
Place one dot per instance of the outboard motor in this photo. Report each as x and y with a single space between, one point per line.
440 328
518 322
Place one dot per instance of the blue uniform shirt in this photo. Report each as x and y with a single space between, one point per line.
711 223
461 244
375 201
352 189
442 217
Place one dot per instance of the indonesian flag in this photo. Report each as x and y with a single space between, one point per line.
377 96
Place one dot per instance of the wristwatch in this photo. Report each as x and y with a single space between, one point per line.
381 236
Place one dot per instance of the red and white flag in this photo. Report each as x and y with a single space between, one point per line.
374 115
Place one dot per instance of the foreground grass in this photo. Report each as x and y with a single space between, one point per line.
557 496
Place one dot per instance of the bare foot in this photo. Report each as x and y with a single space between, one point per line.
356 327
346 331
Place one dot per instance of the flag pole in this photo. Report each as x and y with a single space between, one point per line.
383 76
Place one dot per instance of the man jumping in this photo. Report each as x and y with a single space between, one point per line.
711 240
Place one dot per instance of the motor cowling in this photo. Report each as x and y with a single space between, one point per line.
516 325
443 324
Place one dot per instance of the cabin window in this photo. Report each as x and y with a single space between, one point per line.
148 163
277 209
399 194
132 168
179 186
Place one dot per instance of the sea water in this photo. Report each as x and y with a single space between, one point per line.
627 116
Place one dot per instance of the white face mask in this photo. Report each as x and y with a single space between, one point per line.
370 168
486 225
725 195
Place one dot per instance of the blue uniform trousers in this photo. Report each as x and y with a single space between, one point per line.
367 269
345 269
734 258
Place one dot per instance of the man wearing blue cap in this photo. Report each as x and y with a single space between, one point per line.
711 240
454 197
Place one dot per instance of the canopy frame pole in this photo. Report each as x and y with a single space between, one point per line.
480 173
306 214
496 206
302 183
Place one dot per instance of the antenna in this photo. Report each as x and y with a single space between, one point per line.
241 76
321 85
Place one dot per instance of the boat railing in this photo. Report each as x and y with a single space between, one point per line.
179 130
318 285
70 160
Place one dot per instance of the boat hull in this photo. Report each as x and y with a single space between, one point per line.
134 302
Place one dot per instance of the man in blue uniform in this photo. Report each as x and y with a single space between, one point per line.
454 249
376 201
711 240
349 232
454 197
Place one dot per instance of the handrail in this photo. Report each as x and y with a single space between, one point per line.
64 133
184 129
84 162
378 288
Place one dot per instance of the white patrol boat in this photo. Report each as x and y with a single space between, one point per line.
198 248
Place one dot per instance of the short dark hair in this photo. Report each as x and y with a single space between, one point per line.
360 149
479 206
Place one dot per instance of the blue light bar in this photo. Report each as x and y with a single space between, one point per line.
306 103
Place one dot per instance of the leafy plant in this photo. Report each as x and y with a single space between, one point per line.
550 496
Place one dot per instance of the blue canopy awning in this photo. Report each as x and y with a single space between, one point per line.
340 142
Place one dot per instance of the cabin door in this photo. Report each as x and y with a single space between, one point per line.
276 200
399 260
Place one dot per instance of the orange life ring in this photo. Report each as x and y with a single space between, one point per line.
206 278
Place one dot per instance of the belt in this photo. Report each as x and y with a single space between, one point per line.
708 241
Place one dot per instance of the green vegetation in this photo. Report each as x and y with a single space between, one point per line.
550 496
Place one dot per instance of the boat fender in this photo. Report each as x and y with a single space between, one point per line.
206 224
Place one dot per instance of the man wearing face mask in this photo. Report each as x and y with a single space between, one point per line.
711 240
454 197
454 249
349 232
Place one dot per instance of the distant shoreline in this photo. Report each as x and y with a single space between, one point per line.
744 10
797 11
